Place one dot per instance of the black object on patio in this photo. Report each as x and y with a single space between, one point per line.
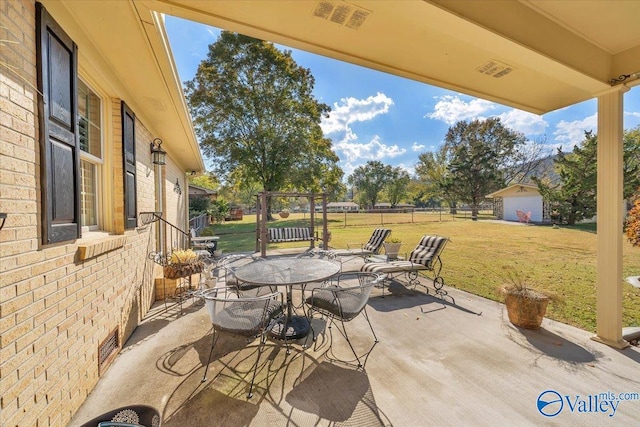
127 416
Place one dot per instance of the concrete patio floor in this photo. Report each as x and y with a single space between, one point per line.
437 363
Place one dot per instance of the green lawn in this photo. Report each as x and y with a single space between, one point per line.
562 260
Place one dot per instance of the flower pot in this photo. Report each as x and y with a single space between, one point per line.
175 271
526 309
392 249
284 214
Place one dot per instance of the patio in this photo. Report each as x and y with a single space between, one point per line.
462 364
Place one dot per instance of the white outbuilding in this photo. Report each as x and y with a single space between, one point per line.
518 198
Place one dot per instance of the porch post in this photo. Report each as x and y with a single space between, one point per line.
609 217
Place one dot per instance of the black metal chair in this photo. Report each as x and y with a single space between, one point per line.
341 302
236 314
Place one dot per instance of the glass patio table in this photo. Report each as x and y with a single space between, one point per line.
288 272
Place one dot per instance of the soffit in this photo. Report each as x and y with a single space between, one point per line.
557 55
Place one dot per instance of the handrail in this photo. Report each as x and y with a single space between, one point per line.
199 223
174 237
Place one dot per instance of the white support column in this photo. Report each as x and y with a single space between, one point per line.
609 193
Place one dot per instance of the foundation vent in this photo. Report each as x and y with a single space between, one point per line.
107 350
341 13
495 69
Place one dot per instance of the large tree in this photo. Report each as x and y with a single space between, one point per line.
574 195
480 153
433 169
398 185
369 180
256 117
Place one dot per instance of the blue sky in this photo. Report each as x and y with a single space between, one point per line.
377 116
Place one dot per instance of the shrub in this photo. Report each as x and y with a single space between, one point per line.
633 223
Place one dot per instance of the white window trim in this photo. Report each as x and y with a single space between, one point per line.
104 179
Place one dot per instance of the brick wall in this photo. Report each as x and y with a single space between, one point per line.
55 306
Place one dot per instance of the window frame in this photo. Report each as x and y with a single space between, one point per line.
98 163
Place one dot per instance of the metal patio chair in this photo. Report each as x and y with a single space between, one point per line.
342 302
239 315
372 247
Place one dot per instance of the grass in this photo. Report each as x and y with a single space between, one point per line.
561 261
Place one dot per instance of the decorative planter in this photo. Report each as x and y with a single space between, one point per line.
175 271
392 250
284 214
527 309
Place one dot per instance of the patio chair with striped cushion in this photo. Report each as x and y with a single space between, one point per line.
424 259
372 247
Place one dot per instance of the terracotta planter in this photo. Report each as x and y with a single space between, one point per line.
526 310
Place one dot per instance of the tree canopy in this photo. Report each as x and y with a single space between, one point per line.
432 169
481 155
256 118
369 180
574 195
397 186
206 180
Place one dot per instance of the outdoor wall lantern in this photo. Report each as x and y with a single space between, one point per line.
158 155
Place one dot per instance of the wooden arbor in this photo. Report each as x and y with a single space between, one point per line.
262 214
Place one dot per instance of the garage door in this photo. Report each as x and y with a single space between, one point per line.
531 204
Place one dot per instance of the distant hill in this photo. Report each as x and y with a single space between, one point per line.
544 169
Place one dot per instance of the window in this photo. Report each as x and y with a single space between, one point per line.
90 141
77 195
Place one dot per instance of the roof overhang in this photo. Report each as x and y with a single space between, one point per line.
522 188
126 50
534 55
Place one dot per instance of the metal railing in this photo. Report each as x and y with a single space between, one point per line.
170 237
199 223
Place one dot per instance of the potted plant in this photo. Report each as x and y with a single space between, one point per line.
392 247
284 213
182 263
526 306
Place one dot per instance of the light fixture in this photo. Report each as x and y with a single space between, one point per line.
158 155
624 77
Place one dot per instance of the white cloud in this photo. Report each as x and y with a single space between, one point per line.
451 109
417 147
522 121
352 110
631 119
373 150
411 170
572 133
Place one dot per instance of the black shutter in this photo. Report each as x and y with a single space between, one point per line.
129 160
57 57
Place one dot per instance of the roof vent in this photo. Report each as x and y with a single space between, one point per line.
495 69
341 13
